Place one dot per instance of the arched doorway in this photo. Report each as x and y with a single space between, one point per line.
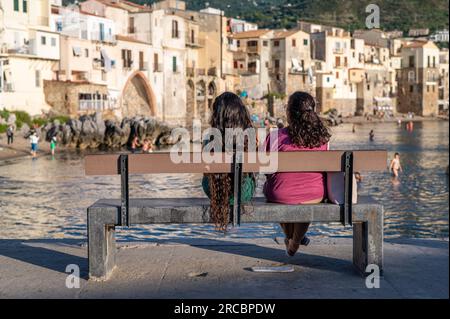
138 97
212 94
200 96
190 103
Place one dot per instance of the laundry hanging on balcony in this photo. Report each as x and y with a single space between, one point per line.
106 60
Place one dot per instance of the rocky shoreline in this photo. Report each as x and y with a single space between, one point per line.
92 132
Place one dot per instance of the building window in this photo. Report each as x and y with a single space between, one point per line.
368 87
155 62
428 88
38 78
127 58
411 88
25 6
86 53
411 61
43 40
252 43
238 43
265 43
294 42
16 5
131 29
174 64
276 43
277 64
429 61
235 64
175 33
337 75
434 62
53 42
305 41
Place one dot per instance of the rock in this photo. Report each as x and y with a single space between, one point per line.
12 119
91 132
25 130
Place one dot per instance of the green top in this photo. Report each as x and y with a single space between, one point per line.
248 188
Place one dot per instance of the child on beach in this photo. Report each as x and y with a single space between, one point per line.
147 146
305 132
395 166
34 140
53 145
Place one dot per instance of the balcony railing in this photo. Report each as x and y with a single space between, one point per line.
143 66
212 71
338 50
7 87
157 67
95 105
298 71
190 72
97 36
201 72
194 41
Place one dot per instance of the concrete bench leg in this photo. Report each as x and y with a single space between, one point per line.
101 245
368 242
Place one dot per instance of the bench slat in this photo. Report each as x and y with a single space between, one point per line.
196 211
307 161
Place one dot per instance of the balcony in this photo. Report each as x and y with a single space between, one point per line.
190 72
212 71
201 72
157 67
143 66
95 105
338 50
300 70
253 49
194 42
7 87
102 37
275 70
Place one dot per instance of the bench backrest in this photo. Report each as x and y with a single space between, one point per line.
306 161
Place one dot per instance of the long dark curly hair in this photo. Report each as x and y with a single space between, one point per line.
228 111
305 128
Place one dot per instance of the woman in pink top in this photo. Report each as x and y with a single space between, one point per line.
305 132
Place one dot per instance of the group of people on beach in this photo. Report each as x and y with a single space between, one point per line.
136 146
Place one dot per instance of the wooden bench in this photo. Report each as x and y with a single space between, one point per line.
102 217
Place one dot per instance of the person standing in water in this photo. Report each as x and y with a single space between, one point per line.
395 166
53 145
34 140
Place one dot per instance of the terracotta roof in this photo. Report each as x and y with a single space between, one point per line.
250 34
285 33
122 4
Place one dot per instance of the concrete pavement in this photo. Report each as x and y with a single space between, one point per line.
210 268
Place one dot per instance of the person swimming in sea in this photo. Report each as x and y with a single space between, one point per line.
395 166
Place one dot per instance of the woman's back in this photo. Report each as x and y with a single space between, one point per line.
293 188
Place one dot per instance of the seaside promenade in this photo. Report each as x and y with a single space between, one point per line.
212 268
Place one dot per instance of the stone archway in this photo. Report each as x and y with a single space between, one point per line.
200 97
190 102
138 97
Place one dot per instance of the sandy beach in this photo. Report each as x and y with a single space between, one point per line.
20 147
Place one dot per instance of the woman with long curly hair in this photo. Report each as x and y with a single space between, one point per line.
228 112
305 132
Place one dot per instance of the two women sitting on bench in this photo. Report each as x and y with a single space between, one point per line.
305 132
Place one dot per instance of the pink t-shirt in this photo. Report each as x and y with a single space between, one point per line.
293 188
